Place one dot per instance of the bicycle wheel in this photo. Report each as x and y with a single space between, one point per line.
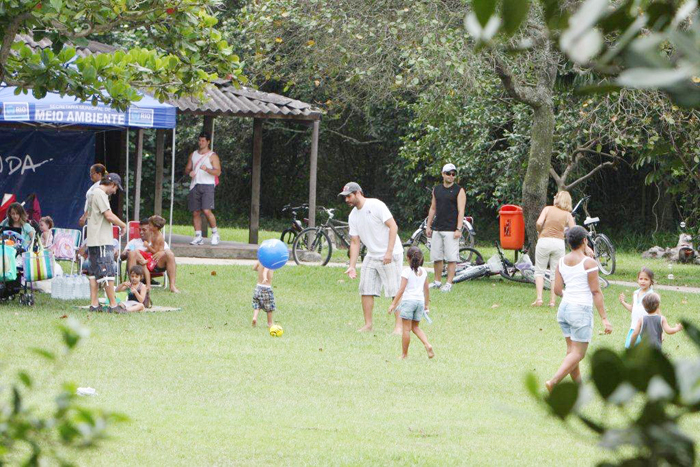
471 256
312 247
604 254
604 283
466 240
288 236
423 243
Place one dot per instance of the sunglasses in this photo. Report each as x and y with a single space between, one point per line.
452 174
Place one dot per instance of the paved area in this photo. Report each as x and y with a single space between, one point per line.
673 288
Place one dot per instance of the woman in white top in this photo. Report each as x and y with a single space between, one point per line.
579 274
414 297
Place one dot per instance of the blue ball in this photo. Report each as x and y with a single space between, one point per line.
273 254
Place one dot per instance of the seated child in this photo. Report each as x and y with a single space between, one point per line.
138 298
263 298
653 325
45 225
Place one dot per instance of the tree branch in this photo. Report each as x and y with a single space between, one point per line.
526 95
9 38
353 140
557 179
589 175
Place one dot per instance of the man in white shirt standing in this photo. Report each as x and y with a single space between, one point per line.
97 171
204 167
371 223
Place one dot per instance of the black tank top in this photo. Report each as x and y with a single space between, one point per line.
446 208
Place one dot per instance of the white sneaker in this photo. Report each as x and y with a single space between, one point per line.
197 241
446 288
215 239
435 285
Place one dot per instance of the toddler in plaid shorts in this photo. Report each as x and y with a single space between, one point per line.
263 298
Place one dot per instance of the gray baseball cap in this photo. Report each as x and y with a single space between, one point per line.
351 187
114 178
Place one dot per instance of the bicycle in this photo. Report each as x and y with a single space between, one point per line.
313 246
603 249
290 233
523 271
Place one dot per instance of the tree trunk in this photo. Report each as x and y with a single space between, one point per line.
537 176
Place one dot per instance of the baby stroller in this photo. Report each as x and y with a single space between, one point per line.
12 285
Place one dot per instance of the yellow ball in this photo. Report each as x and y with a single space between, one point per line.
276 330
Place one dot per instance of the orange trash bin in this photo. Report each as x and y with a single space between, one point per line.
512 227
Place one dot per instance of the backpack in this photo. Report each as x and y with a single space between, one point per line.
31 205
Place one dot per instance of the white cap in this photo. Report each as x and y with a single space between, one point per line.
448 167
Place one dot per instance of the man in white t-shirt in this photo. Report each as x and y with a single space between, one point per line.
97 171
204 168
371 223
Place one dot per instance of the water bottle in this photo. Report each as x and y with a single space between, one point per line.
60 280
75 289
87 288
84 287
68 287
55 285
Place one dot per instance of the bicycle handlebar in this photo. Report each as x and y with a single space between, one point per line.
581 202
288 207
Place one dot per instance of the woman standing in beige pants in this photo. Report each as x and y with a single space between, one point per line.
551 224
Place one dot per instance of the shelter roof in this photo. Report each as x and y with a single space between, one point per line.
225 99
93 47
221 99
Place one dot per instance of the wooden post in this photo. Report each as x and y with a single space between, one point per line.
255 179
121 169
160 149
209 128
313 169
137 182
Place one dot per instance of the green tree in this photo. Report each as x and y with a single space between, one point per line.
179 48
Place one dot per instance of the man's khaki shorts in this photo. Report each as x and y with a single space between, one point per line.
444 247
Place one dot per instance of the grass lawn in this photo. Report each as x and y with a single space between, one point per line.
202 387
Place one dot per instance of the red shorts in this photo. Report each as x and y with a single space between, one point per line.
151 264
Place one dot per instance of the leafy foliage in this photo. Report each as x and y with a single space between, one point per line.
24 430
179 51
642 44
652 392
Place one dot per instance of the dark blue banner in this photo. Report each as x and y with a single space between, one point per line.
53 164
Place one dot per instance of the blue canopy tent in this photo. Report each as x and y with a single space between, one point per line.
26 162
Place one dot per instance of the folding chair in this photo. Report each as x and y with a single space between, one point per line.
134 232
117 235
66 243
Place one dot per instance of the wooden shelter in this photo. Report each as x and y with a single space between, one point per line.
225 100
